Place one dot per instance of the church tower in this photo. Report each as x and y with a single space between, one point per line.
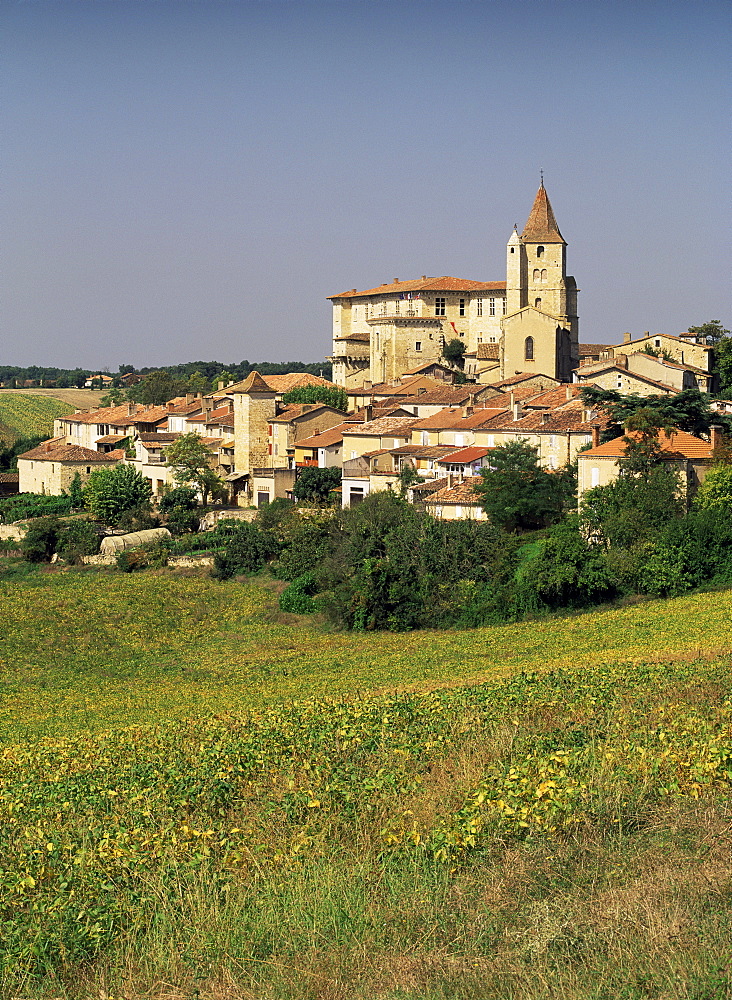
541 328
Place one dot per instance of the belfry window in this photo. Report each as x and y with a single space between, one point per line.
537 274
529 349
540 251
537 303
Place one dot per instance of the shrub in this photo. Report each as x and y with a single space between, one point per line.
182 497
77 539
298 599
130 560
25 506
138 518
40 540
182 521
304 541
570 572
247 549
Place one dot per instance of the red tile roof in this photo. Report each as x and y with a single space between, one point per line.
541 226
465 456
449 419
443 284
678 445
54 451
459 494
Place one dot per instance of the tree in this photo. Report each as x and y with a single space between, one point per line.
113 398
632 509
516 493
688 410
315 485
712 332
331 395
643 450
156 388
111 491
715 493
190 460
454 353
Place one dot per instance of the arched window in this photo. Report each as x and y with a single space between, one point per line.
537 274
543 274
529 349
537 303
540 251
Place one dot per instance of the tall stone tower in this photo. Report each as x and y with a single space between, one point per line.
541 328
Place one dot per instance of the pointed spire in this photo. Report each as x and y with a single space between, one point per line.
541 226
255 383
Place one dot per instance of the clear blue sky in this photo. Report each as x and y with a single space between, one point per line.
190 180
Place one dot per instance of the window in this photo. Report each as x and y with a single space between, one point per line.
492 306
480 307
529 349
418 345
595 477
462 307
439 306
262 498
543 274
540 251
383 308
552 440
396 307
88 468
537 274
491 441
425 438
537 303
503 306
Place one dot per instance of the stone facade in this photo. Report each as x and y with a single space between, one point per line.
382 332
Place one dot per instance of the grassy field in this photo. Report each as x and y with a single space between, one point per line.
28 415
201 796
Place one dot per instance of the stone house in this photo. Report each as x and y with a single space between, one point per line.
50 468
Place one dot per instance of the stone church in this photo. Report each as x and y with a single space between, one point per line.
528 322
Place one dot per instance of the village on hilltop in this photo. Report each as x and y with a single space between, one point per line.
437 372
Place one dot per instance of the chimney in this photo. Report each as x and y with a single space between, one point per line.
424 277
545 417
367 385
595 435
715 436
627 338
396 281
368 412
568 391
622 360
467 411
516 408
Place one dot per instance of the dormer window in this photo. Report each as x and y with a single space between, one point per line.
540 251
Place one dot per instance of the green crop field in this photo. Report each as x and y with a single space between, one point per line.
25 415
201 796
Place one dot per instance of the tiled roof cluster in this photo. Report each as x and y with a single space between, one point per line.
678 445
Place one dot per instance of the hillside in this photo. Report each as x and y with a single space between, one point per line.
199 791
31 414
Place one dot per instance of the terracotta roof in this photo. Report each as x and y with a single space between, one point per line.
212 416
586 350
424 450
104 415
541 226
429 486
294 380
443 284
110 439
521 377
294 411
450 419
465 456
52 451
252 383
9 477
487 352
363 338
427 364
165 437
678 445
332 436
460 493
552 398
398 426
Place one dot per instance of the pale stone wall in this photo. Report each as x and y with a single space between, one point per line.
682 352
252 413
53 478
552 345
286 435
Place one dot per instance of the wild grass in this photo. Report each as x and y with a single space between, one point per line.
202 798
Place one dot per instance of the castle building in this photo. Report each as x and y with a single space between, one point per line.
531 317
